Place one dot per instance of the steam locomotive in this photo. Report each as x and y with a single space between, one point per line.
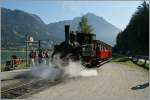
84 47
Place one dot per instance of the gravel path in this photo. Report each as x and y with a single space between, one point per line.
113 82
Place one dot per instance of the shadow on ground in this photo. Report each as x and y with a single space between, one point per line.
141 86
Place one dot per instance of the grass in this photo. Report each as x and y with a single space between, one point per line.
126 61
123 60
2 66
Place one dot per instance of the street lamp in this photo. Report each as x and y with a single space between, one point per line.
28 42
31 41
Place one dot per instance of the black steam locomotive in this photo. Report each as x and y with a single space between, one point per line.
82 46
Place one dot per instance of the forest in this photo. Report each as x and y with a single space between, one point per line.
134 39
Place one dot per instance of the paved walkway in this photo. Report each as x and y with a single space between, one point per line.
113 82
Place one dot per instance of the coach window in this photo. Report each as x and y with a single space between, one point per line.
101 48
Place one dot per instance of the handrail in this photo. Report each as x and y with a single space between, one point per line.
141 57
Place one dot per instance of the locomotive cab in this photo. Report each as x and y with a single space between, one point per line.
87 50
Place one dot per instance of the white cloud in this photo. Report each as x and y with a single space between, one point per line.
71 5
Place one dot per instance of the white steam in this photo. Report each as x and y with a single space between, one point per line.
58 69
75 69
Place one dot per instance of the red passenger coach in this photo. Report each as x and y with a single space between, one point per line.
93 50
103 50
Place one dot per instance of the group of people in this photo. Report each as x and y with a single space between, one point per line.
39 57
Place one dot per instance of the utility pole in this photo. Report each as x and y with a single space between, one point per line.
39 45
26 50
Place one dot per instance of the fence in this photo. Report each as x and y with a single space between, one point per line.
135 59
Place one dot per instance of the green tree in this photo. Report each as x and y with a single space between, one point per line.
84 27
135 37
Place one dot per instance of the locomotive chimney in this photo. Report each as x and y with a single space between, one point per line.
67 34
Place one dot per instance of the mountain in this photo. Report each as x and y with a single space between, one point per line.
16 24
104 30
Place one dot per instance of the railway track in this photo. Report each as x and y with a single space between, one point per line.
27 88
103 62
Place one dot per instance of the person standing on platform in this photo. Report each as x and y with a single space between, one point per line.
44 57
47 57
40 56
36 58
32 58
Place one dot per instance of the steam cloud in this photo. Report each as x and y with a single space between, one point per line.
59 69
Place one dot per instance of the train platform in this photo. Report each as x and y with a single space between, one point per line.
12 74
113 82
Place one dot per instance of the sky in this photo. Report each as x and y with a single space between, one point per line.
117 13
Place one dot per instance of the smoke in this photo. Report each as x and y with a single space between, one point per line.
47 72
58 69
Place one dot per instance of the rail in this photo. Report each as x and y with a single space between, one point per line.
138 57
27 88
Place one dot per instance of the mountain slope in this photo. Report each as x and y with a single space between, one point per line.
104 30
17 24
